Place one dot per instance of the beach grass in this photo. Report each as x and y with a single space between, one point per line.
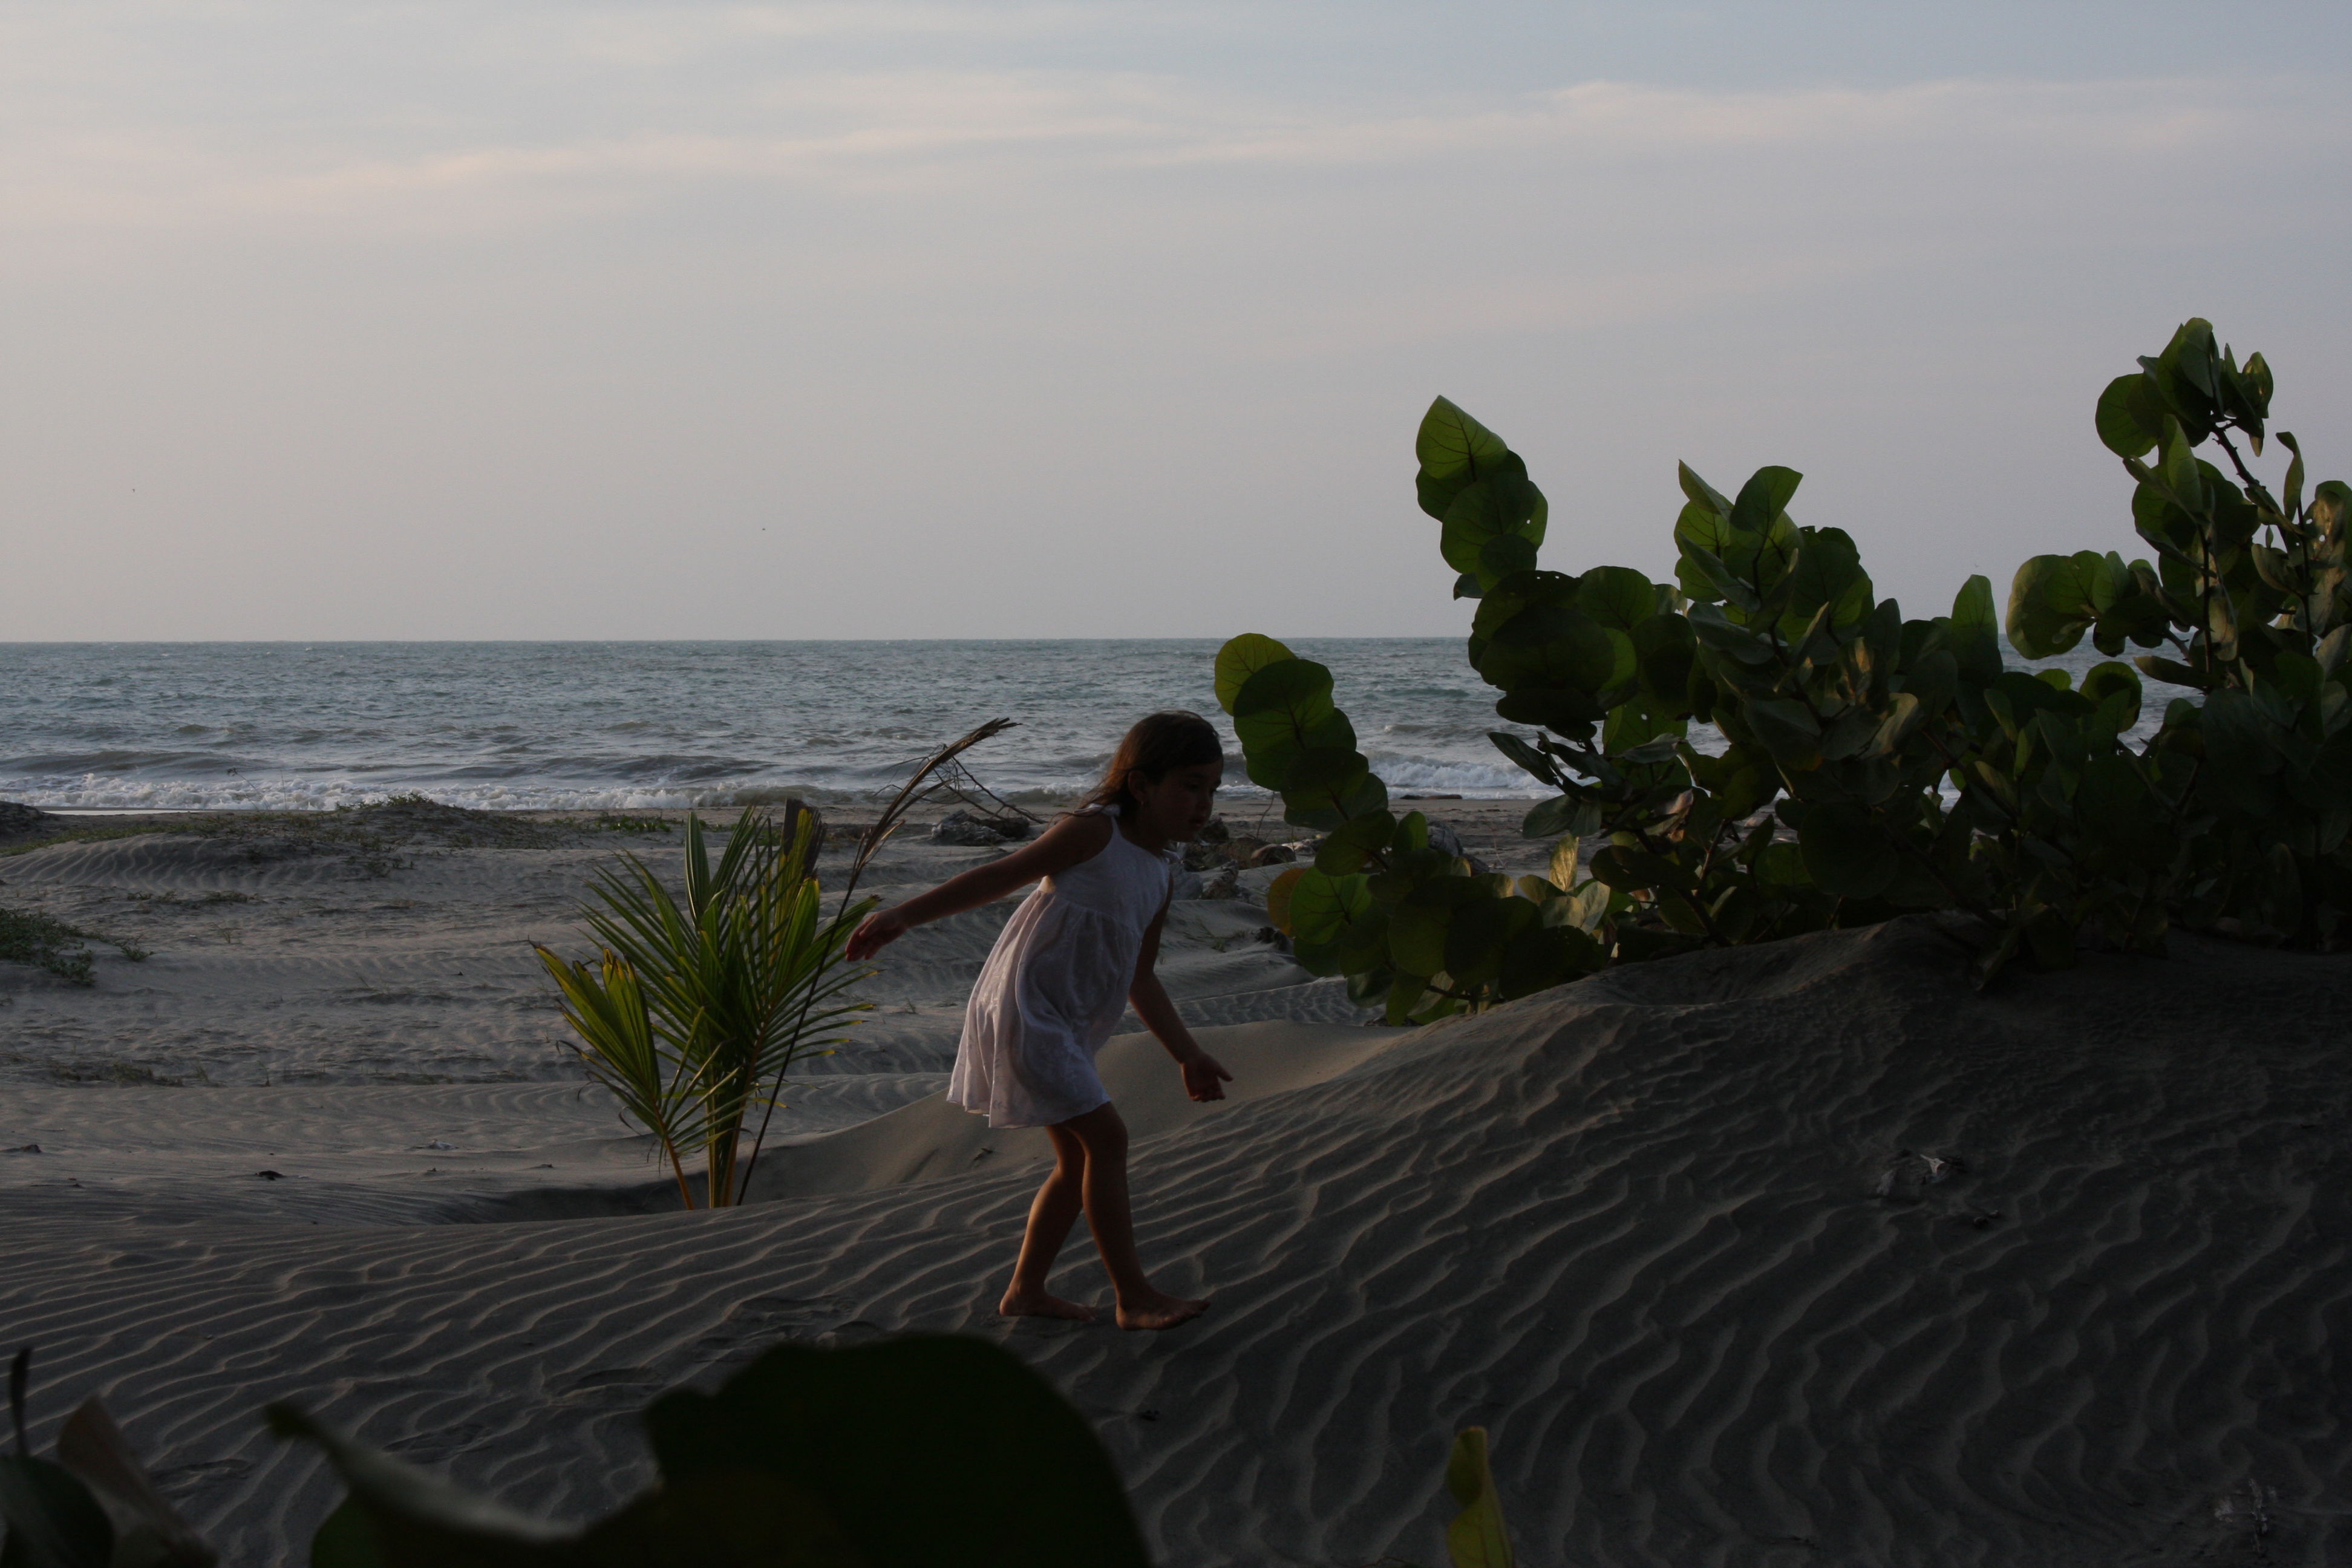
52 945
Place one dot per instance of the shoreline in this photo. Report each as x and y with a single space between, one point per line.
1486 823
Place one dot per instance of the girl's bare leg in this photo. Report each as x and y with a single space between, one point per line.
1103 1137
1050 1218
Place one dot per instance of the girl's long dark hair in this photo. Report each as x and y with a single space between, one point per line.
1163 742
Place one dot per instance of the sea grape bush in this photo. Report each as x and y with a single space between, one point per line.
907 1452
2251 591
1869 765
1411 926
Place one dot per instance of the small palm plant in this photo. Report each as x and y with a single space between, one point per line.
696 1006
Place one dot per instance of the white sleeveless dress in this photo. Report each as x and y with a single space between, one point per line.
1054 986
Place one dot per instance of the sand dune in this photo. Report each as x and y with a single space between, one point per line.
1804 1254
931 1139
364 1154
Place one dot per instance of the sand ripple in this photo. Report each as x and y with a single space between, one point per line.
415 966
1673 1235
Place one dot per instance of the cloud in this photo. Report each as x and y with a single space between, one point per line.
1610 119
543 281
673 35
904 132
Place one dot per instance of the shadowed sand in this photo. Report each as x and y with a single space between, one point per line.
1800 1254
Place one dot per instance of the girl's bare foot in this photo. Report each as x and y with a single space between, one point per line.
1038 1304
1158 1311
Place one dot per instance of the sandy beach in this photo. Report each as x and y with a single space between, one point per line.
1798 1254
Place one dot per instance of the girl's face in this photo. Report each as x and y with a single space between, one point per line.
1177 803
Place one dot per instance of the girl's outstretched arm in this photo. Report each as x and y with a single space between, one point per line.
1065 843
1203 1077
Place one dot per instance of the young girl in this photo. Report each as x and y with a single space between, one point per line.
1075 952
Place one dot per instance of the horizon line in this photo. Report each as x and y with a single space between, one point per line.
460 642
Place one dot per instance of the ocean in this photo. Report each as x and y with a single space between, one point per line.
621 725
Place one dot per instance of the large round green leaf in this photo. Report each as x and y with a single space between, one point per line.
2131 415
1560 870
1530 758
2052 602
1550 646
1975 632
1279 707
1617 597
1560 709
1405 993
1828 571
1242 657
2331 500
1318 957
1369 987
1742 781
1786 729
1505 599
1570 814
1846 852
1629 868
1363 947
1407 869
1503 504
1320 768
1546 956
2134 618
1355 842
52 1520
1664 652
1322 907
1479 936
1781 865
1704 526
1904 714
1764 499
1272 753
1327 806
1284 685
1009 1475
1277 900
1454 450
1502 555
1701 493
2114 679
1636 723
2112 802
2169 671
1418 926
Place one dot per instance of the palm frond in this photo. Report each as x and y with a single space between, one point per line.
918 788
731 984
703 1003
940 770
620 1048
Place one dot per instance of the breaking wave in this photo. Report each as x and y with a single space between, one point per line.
622 726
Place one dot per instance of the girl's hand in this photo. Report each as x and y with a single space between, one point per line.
874 933
1202 1076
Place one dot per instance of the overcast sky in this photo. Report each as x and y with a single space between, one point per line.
497 319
